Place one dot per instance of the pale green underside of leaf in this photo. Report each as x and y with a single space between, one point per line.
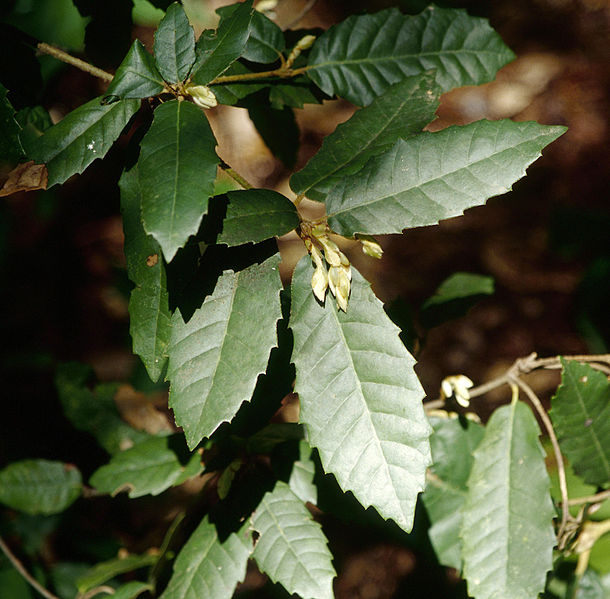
177 168
363 55
292 549
39 486
215 358
254 215
137 76
85 134
458 286
174 45
148 468
105 571
434 176
207 567
452 444
403 110
216 51
360 397
507 528
150 316
301 478
581 417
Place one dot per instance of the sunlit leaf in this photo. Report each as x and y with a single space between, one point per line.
301 477
360 397
174 44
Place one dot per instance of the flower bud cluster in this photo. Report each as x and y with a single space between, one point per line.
202 95
369 245
338 276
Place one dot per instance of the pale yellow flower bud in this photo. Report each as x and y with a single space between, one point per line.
457 386
343 289
332 253
319 282
202 95
333 279
305 42
370 246
266 5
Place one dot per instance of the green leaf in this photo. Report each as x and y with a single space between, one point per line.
85 134
434 176
105 571
148 468
94 412
507 528
301 477
137 76
279 130
232 93
10 145
150 316
360 397
254 215
266 41
34 121
175 45
581 417
39 486
207 566
292 548
13 585
215 358
177 168
131 590
452 444
363 55
403 110
217 50
272 435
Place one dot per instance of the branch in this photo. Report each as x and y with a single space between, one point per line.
597 498
235 175
281 72
75 62
21 569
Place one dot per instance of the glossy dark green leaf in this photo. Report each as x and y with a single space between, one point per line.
175 44
39 486
292 549
295 93
176 168
150 316
85 134
272 435
360 397
362 56
452 444
301 478
507 526
216 357
34 121
266 41
137 76
232 93
254 215
433 176
279 130
105 571
217 50
94 412
403 110
581 417
208 566
148 468
10 145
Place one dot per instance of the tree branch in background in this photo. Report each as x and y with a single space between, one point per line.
75 62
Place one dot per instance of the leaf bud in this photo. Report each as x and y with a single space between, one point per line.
305 42
202 95
319 282
370 246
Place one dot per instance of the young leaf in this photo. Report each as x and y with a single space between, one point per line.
217 50
83 135
507 527
301 477
39 486
94 411
581 416
266 41
360 397
434 176
215 358
176 168
137 76
148 468
452 444
403 110
363 55
207 566
292 548
174 44
254 215
105 571
150 317
10 145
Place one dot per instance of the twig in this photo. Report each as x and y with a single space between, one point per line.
75 62
235 175
561 471
597 498
96 591
281 72
21 569
310 4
